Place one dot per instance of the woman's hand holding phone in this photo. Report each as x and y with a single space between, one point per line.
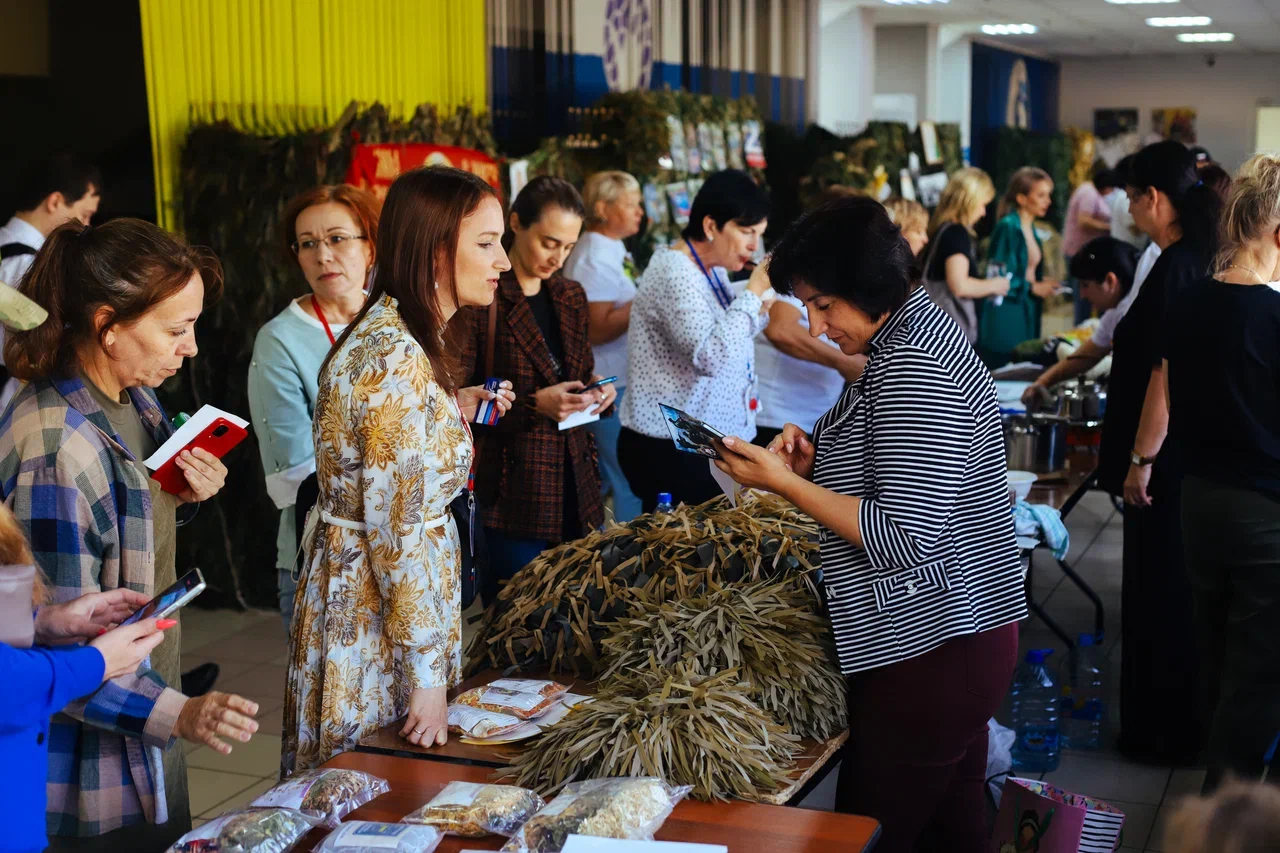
124 648
558 402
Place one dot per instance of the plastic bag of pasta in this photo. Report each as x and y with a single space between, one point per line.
473 809
362 836
477 723
632 809
248 831
516 697
329 795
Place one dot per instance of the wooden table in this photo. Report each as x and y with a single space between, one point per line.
812 764
744 827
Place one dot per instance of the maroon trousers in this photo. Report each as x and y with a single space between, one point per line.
917 755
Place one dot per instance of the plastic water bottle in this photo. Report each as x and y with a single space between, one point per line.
664 504
1083 706
1035 715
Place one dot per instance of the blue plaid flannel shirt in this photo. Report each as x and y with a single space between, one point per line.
86 509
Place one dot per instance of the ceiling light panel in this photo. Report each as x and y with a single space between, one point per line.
1139 2
1203 38
916 2
1192 21
1009 29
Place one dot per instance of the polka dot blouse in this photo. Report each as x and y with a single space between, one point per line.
686 350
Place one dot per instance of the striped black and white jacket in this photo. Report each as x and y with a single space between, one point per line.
918 438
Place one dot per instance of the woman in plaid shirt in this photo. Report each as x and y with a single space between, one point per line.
122 299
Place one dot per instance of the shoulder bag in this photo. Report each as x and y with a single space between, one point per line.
963 311
475 553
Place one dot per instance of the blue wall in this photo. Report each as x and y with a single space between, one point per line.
991 70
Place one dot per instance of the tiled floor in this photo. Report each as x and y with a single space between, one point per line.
250 648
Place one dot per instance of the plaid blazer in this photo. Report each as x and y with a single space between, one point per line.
520 472
86 509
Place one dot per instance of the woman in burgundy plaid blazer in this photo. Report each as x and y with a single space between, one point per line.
538 485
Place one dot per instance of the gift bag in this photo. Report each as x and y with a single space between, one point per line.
1036 816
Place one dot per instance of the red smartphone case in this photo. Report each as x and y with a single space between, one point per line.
170 476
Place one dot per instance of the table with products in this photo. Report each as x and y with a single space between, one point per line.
739 825
812 764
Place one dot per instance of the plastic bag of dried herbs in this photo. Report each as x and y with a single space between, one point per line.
632 809
248 831
363 836
514 701
329 795
473 810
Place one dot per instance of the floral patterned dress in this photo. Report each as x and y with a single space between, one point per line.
378 608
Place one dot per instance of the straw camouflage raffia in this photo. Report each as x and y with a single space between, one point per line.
557 610
770 632
681 727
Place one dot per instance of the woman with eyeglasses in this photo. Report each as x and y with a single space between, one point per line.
331 231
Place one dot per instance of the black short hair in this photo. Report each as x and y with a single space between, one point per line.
1201 154
847 248
1124 170
1107 179
1103 255
728 196
62 173
540 193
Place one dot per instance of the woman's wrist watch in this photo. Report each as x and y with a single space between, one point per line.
1138 459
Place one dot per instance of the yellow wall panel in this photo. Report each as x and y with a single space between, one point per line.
275 65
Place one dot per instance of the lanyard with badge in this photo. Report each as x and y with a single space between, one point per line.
315 306
725 299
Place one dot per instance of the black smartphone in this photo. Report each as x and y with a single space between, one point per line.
188 587
690 434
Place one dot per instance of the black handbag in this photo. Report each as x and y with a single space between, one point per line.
475 552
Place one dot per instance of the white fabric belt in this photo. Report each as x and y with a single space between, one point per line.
330 518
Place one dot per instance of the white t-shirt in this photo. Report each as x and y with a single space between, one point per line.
687 350
1122 221
793 390
597 263
1105 333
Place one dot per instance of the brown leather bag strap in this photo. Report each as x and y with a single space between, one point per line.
491 340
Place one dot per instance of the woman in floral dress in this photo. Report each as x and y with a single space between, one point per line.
377 626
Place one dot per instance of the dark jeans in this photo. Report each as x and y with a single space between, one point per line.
654 465
1160 721
507 555
1232 539
917 752
137 836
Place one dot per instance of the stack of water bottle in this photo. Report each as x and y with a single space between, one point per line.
1055 711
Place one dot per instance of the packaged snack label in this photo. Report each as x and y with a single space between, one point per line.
456 794
511 698
480 723
525 685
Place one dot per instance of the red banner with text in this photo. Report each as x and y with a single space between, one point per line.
375 166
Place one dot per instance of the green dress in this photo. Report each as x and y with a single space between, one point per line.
1017 319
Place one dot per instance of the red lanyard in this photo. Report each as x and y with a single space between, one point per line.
471 475
316 307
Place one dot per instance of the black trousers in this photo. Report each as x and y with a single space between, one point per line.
764 435
1233 556
654 465
1160 720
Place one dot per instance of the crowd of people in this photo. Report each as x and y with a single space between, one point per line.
849 372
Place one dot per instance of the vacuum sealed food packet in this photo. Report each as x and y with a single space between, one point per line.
477 723
363 836
474 809
631 809
329 795
518 697
248 831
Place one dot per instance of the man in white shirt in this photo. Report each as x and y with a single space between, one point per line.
50 194
1122 225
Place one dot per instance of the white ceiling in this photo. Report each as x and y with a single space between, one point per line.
1093 27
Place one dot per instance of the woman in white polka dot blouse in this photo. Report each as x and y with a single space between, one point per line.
691 342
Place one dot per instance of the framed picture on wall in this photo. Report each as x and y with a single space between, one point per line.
1109 123
929 142
1175 123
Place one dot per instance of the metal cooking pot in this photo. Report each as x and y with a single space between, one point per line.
1035 443
1078 401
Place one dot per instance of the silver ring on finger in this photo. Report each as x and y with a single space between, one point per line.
418 731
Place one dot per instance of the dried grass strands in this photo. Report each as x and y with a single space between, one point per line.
686 729
769 631
556 611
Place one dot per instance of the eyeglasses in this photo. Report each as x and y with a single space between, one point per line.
337 243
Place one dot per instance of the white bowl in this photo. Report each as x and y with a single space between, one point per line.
1021 482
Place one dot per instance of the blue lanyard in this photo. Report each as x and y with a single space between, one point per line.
722 295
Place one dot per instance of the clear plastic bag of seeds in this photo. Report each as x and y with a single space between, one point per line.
474 809
631 809
248 831
327 794
363 836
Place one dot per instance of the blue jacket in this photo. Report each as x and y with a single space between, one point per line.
37 683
